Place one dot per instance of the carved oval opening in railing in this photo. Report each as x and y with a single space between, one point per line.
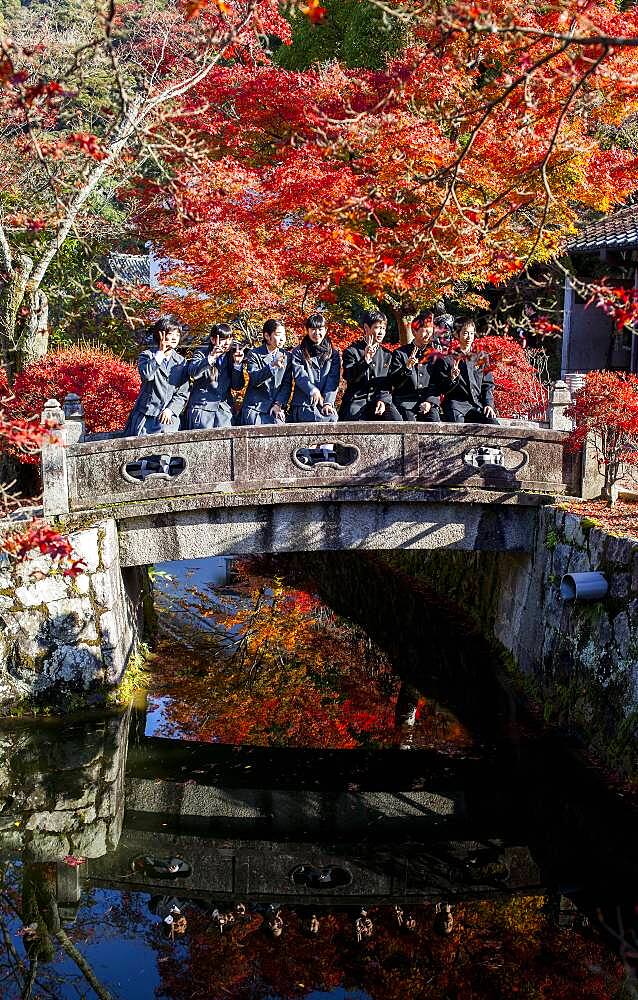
331 455
330 877
494 460
155 468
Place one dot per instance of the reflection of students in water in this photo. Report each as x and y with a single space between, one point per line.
161 867
409 923
363 926
275 924
443 919
169 908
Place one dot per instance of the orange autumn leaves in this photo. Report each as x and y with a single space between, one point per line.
400 182
296 676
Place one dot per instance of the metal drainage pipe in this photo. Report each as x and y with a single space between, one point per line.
583 586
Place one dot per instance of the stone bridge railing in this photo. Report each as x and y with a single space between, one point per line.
99 473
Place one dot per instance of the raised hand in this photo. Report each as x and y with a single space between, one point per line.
370 349
280 360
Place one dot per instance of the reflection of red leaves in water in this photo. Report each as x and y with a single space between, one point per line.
496 949
300 676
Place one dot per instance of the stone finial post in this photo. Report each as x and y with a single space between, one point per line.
559 400
73 418
54 467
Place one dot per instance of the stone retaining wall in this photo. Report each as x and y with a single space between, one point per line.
63 636
62 788
577 659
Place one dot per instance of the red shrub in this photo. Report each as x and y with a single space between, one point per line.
519 391
106 385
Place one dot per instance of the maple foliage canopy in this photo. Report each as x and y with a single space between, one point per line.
469 155
605 411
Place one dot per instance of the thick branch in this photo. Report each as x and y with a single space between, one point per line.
5 250
83 965
132 118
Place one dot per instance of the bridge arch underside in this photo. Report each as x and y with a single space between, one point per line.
319 520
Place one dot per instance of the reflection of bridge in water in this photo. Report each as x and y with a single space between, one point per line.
246 819
406 826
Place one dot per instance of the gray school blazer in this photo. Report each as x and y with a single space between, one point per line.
164 387
266 385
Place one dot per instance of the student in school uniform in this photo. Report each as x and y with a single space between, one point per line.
164 389
366 369
415 393
215 369
468 387
316 367
269 371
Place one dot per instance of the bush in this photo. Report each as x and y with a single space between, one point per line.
606 410
106 385
518 390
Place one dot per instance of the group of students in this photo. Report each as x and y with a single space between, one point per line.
423 380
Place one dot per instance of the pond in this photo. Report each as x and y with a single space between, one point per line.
304 805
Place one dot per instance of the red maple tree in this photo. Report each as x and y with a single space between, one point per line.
106 385
470 155
605 413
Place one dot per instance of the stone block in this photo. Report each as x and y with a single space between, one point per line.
560 561
109 544
104 590
75 667
572 531
90 842
82 584
33 565
112 626
597 540
115 660
85 545
619 551
72 621
619 584
85 799
36 800
579 561
622 633
53 588
112 799
61 821
46 847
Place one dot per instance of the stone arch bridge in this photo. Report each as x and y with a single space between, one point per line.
132 502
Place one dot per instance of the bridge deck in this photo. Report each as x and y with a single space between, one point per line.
103 474
308 487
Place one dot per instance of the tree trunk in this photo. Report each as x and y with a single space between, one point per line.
12 298
403 321
83 966
34 329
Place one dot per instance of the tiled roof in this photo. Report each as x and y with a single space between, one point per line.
130 269
618 231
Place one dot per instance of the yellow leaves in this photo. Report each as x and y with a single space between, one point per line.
195 7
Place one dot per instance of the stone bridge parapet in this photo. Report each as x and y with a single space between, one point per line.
99 474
